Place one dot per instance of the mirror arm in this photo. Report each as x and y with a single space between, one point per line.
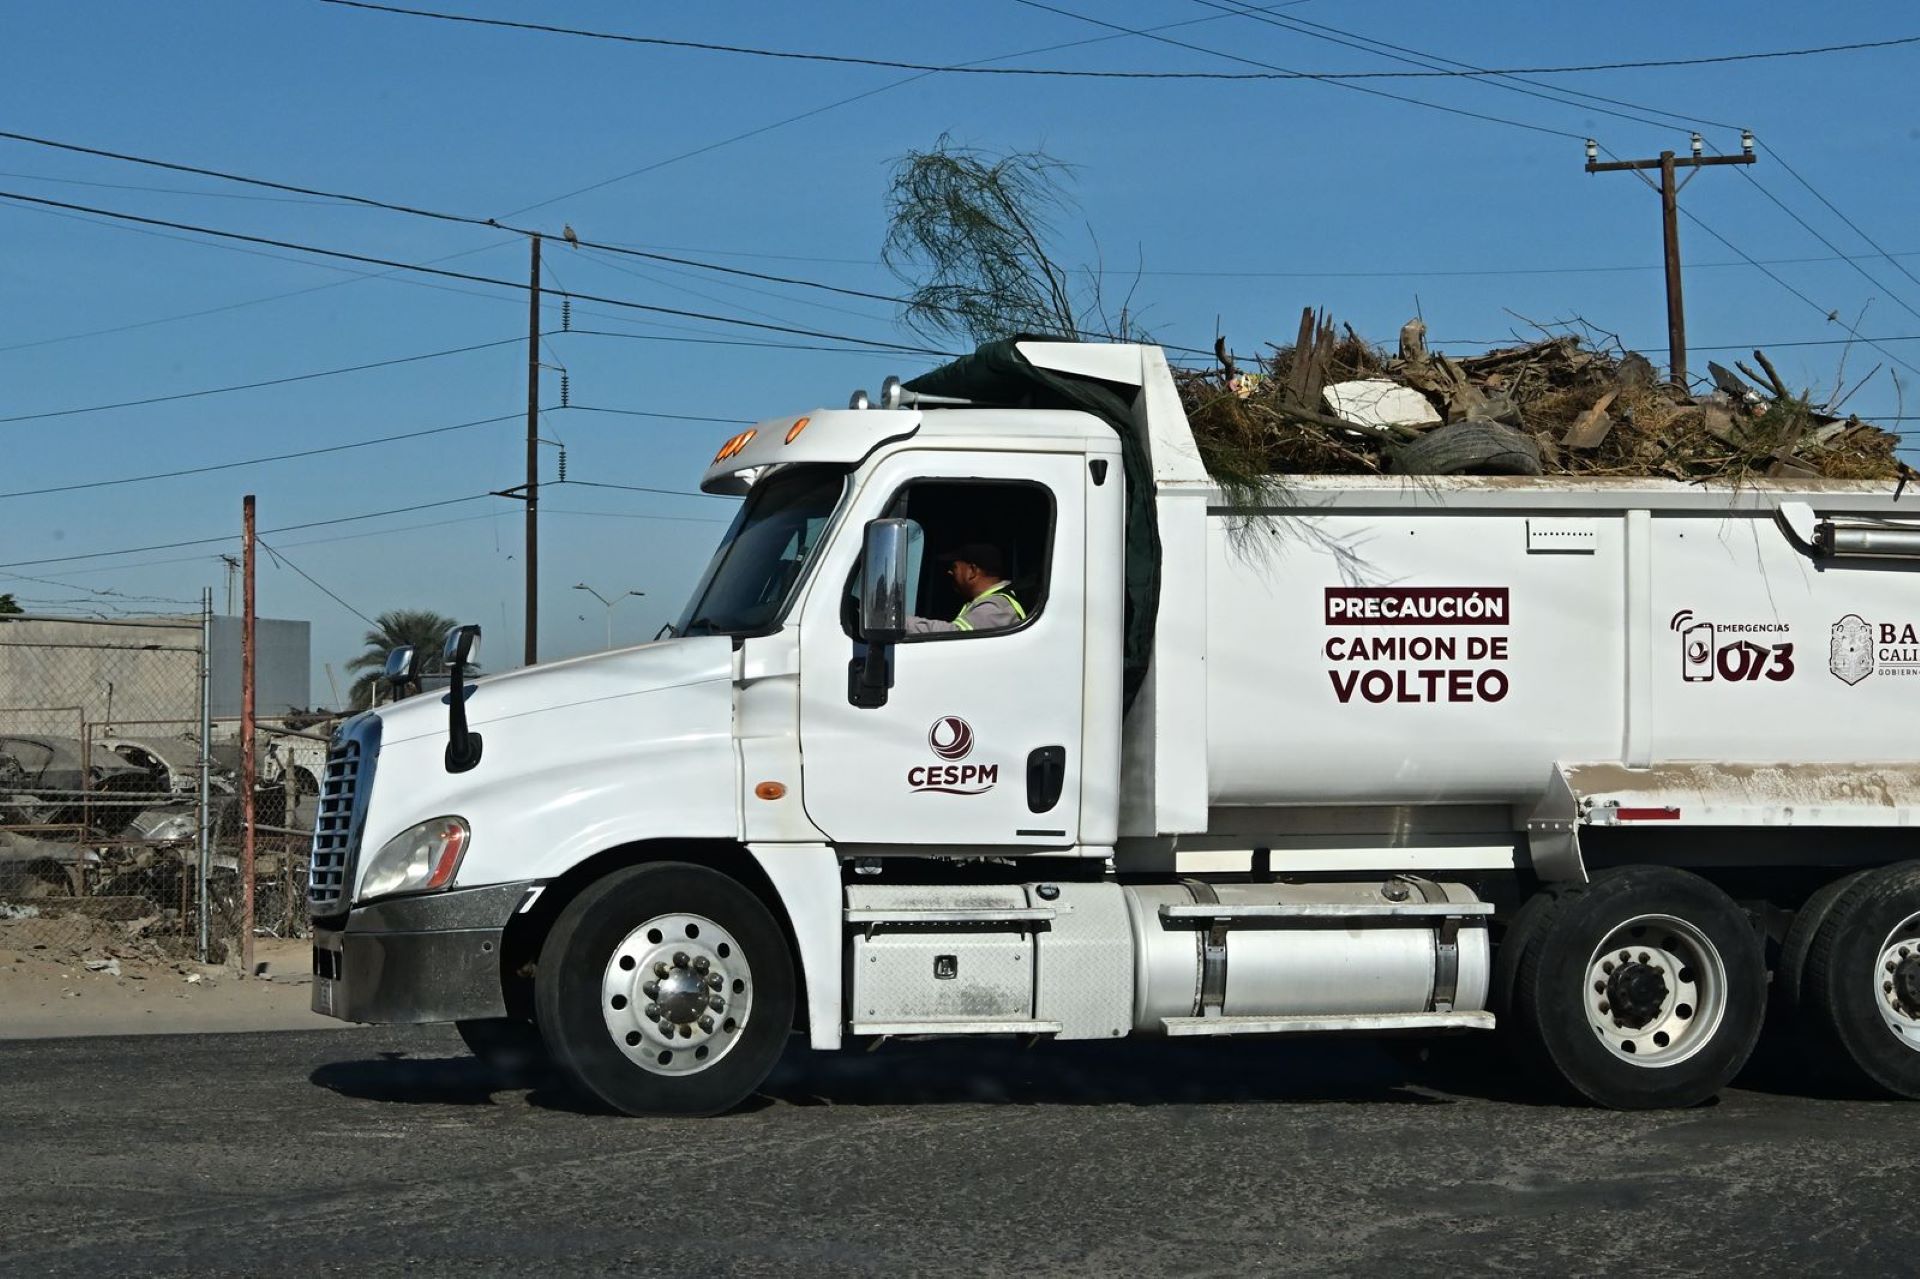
463 744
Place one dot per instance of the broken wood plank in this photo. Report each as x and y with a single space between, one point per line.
1592 427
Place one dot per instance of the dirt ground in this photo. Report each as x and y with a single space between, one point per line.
53 991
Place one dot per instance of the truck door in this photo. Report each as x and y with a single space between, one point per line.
978 741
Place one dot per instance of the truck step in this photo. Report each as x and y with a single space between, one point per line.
955 1028
963 915
1325 1023
1326 910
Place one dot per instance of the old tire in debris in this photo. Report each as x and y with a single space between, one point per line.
665 989
511 1045
1862 979
1644 989
1476 446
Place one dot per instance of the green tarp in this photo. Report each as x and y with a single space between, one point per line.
998 376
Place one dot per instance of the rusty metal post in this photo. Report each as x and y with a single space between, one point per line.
247 779
205 859
533 460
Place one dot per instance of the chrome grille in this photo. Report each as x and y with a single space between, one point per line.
336 826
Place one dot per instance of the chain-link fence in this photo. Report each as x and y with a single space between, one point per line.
121 829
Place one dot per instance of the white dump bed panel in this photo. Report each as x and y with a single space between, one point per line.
1439 648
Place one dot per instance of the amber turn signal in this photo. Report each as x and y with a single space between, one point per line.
770 790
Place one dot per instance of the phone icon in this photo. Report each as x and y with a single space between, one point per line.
1697 650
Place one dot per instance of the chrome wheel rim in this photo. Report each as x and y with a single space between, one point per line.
1896 980
676 994
1656 991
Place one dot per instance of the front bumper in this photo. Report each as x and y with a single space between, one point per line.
417 959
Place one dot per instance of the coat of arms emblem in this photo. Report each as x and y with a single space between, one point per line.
1850 652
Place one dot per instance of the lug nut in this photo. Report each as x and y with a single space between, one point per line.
700 964
1626 956
718 1004
679 959
659 970
650 989
706 1024
653 1012
716 981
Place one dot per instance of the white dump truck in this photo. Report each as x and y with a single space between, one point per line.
1597 762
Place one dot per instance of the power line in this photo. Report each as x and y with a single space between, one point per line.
287 563
253 386
967 69
357 276
259 461
1341 84
1899 301
438 215
822 109
229 537
1890 257
461 275
1507 79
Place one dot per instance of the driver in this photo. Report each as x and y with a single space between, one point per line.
978 573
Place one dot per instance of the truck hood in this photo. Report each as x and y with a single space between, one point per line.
557 686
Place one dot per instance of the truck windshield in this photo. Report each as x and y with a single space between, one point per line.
763 555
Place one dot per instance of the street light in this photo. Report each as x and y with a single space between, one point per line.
582 586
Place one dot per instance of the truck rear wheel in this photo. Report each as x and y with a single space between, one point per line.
1644 989
1789 979
665 989
1862 979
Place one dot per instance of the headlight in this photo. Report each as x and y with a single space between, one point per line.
420 858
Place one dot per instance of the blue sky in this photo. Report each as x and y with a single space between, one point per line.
1241 201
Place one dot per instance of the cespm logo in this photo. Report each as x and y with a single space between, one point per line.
951 739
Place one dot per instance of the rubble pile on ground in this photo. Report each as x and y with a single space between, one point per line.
1333 403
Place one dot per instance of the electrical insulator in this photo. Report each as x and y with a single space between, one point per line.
566 314
565 388
563 466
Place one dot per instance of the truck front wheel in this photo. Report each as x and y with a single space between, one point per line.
1644 989
1862 978
665 989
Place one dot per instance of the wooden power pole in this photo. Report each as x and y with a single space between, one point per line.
1669 164
533 460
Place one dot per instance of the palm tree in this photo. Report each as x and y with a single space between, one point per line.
423 628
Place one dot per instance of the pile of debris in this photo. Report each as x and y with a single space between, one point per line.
1333 403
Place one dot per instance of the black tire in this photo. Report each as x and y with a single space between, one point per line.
1555 1004
578 956
1476 446
1789 978
511 1045
1844 981
1525 927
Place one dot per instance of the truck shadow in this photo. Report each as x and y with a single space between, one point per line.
1008 1072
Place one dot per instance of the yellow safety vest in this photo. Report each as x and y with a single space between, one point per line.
1004 591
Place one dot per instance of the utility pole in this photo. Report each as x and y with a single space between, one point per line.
247 780
1668 164
533 460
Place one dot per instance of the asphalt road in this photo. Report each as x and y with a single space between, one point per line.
377 1150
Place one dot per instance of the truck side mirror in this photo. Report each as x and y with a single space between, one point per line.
463 646
463 744
883 580
403 669
886 560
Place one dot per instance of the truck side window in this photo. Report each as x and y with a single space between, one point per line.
1014 519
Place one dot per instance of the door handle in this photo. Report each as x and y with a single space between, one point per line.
1046 774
